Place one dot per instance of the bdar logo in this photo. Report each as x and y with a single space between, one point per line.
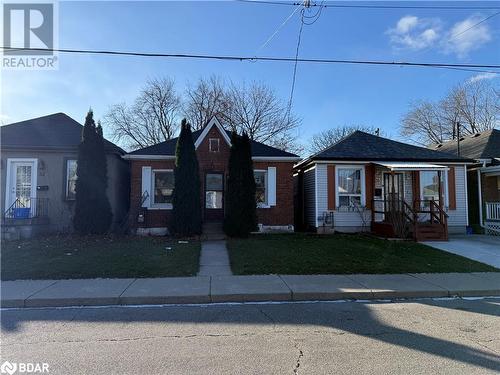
8 368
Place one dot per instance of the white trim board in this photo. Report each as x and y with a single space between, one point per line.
34 177
206 129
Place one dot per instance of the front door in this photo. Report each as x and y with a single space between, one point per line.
214 196
393 186
21 183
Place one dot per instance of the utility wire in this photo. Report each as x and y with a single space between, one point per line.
471 27
278 29
254 58
371 6
292 89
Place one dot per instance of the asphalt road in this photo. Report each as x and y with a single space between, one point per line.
438 337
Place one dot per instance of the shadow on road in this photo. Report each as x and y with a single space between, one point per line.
361 319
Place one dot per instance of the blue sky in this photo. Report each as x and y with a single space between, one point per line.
325 95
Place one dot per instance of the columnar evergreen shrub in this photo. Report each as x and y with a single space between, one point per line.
186 212
241 215
93 213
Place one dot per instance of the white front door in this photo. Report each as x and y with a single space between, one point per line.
21 182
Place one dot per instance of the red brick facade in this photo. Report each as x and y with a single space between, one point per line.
279 215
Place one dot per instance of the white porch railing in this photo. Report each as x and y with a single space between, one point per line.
493 211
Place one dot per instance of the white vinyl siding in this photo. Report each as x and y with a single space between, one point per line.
321 192
458 217
348 220
310 197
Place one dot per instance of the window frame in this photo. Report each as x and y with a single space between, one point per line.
210 144
264 204
362 195
66 178
444 175
153 204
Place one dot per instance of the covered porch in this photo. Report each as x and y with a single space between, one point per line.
490 191
410 200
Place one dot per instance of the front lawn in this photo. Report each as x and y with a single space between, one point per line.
76 257
303 254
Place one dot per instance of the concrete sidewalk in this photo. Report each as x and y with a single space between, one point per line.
207 289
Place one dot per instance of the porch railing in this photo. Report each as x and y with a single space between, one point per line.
493 211
28 208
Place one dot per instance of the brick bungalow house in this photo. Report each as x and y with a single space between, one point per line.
152 181
483 176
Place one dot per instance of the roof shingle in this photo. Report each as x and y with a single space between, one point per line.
167 148
484 145
362 146
55 131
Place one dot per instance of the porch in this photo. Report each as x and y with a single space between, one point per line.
410 200
25 218
492 220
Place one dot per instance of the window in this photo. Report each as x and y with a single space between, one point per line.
261 187
349 187
213 144
214 186
71 179
429 185
163 186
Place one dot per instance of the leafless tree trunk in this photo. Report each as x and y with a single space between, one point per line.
475 105
151 119
329 137
206 99
254 109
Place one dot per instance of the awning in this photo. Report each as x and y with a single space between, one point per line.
491 171
402 167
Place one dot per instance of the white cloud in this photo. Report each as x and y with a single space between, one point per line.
412 32
465 37
406 23
482 76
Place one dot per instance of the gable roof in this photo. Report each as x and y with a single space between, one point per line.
484 145
166 149
51 132
361 146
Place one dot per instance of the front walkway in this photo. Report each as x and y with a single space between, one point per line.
214 259
485 249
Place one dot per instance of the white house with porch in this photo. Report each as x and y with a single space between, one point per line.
369 183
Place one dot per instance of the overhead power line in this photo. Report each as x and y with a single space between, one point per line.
255 58
374 6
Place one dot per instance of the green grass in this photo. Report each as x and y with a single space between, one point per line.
75 257
303 254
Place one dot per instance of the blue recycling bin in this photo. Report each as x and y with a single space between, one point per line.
21 212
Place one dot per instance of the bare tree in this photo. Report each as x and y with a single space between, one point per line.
206 99
474 104
256 110
151 119
329 137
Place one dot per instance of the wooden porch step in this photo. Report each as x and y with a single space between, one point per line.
430 232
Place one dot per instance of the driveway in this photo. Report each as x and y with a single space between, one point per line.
485 249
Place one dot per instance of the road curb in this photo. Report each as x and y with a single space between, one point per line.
259 288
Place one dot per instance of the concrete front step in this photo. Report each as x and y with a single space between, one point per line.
203 289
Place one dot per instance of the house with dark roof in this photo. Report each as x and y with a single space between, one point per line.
38 174
152 181
483 176
368 183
